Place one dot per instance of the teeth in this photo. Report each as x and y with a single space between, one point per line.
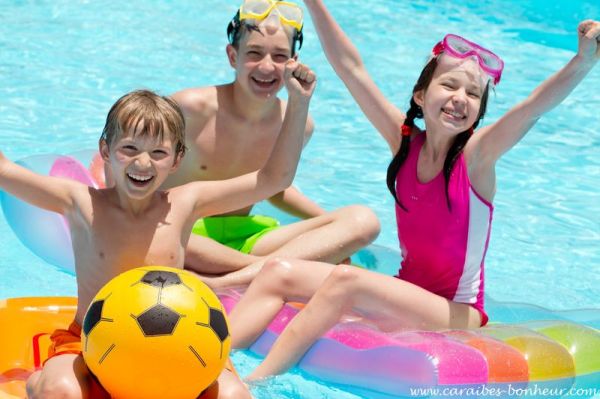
139 177
264 80
455 114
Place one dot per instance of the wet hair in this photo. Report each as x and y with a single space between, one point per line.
236 29
158 115
415 112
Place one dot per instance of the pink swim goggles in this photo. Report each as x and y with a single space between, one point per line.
459 47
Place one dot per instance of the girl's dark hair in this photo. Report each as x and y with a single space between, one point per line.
415 112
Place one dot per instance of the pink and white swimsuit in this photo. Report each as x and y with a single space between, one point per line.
443 250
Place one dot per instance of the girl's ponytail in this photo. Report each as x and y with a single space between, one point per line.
413 112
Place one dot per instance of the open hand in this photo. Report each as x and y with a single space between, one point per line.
299 79
589 40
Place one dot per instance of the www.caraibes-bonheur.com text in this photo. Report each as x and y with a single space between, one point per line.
505 390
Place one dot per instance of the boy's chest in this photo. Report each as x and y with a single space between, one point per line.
231 149
121 244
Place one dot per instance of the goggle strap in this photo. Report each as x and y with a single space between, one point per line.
299 36
233 27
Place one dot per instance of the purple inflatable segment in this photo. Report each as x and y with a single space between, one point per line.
391 370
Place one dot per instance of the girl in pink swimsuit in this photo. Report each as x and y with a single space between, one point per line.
443 180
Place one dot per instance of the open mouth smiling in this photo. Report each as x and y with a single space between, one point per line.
139 180
264 82
454 114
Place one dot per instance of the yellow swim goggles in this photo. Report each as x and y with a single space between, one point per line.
289 13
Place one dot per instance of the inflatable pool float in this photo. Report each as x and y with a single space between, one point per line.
557 356
25 336
533 351
43 232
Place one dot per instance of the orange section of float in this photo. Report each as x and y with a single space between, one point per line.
25 339
505 364
547 359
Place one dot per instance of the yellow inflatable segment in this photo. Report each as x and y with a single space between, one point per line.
547 359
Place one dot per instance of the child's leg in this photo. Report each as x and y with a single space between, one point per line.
279 281
331 237
204 255
389 302
65 376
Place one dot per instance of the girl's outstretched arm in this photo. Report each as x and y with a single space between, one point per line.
347 63
494 140
46 192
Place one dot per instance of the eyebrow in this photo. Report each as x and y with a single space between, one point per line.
259 47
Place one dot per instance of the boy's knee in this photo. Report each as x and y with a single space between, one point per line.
365 222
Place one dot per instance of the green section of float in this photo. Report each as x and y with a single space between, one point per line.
574 337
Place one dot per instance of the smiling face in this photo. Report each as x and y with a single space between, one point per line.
452 101
142 141
140 163
259 60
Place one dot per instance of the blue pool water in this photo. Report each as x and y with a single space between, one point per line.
63 63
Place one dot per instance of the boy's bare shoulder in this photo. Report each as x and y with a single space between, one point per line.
198 101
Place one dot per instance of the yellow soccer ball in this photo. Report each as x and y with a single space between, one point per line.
155 332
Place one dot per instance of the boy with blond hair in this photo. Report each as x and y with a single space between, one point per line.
133 223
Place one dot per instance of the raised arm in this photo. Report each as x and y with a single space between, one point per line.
217 197
347 63
492 141
50 193
293 201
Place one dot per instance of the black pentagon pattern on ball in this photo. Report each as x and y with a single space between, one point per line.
93 316
218 324
161 279
158 320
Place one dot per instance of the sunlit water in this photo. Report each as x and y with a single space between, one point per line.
63 64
